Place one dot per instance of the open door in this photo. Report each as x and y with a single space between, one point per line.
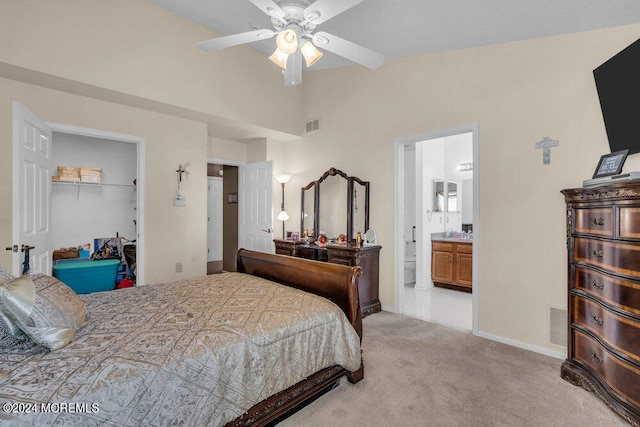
31 199
255 207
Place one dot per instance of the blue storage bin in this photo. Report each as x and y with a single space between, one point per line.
88 276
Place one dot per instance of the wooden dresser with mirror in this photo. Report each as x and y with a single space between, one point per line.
337 204
603 241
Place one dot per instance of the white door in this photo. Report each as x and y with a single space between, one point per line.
214 220
255 207
32 164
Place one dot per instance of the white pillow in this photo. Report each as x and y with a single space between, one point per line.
44 307
8 328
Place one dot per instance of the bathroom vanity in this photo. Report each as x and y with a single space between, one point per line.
452 263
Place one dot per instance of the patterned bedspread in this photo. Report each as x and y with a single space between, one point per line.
194 352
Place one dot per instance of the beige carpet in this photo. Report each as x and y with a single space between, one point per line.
422 374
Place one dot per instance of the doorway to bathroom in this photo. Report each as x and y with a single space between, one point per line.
436 198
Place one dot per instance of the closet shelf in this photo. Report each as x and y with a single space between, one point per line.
79 184
93 184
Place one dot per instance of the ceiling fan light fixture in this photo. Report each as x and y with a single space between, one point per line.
310 53
279 58
287 41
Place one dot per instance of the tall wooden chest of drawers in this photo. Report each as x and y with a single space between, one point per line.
603 240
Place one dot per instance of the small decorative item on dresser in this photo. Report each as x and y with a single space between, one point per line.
610 164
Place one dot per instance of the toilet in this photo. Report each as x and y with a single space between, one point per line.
409 263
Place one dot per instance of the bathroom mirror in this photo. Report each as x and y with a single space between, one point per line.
340 205
438 195
452 197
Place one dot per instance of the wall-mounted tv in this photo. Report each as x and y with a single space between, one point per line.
618 84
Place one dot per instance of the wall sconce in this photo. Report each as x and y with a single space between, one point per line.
283 215
465 167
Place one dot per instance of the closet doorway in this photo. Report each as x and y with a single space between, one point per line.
83 211
32 188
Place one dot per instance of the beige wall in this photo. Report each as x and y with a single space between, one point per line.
171 234
138 48
518 93
223 149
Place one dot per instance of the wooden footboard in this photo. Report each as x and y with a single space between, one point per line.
332 281
335 282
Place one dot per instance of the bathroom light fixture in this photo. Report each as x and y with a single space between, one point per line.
465 167
283 215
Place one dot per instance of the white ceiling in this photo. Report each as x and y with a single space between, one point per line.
414 27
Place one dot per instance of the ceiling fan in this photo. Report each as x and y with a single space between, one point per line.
294 22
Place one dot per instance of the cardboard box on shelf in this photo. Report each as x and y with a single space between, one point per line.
69 171
89 174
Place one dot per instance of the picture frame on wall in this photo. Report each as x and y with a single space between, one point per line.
611 164
232 197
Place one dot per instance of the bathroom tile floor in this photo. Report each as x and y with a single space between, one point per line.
444 306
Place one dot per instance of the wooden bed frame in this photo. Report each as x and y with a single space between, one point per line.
335 282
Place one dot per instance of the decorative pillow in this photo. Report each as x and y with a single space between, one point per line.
44 307
8 328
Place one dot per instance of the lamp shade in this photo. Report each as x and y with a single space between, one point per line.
283 178
279 58
287 41
283 216
310 53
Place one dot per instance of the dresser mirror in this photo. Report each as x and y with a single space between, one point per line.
335 204
359 207
308 212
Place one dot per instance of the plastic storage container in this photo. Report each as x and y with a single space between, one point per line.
88 276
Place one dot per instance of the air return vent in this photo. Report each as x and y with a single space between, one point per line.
312 126
557 326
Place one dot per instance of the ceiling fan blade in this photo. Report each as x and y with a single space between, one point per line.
346 49
269 7
293 72
327 9
235 39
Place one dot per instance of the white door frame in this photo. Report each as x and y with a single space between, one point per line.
140 181
215 216
399 144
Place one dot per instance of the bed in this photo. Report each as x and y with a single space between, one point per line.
228 349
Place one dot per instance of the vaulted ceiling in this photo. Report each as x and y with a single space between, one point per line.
415 27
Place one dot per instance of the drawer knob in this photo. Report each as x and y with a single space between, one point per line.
596 285
597 221
596 320
594 357
596 252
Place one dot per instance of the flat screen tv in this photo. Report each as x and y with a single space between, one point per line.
618 84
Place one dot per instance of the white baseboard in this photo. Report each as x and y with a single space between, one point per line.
534 348
390 309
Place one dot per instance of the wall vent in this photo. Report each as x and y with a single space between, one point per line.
558 326
312 126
